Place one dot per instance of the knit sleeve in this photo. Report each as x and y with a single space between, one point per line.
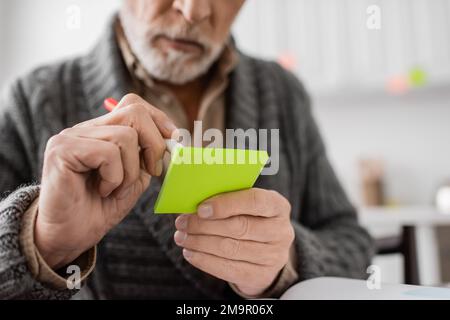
16 280
17 160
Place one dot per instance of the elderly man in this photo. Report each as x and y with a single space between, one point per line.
170 62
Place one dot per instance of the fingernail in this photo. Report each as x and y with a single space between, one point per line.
181 223
187 254
159 167
170 127
180 237
175 134
205 210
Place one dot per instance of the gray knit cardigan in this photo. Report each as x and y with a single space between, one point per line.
138 258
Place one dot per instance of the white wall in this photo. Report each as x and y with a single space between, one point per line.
410 133
334 48
2 46
35 32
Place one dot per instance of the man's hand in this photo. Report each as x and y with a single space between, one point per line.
93 175
241 237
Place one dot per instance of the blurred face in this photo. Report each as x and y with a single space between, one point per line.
178 40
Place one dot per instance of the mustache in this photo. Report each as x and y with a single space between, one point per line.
179 32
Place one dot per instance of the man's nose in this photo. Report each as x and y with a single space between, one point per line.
194 11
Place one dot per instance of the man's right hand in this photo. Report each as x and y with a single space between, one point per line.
93 175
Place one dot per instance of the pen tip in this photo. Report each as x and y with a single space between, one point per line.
110 104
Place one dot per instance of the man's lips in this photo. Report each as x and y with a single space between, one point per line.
180 44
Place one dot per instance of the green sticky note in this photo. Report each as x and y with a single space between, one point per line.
196 174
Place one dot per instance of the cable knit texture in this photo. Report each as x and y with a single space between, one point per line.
38 266
16 280
138 258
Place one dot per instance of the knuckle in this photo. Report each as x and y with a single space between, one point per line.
275 195
284 233
240 226
111 151
54 141
256 197
229 247
137 109
286 206
66 131
129 135
54 144
271 200
262 199
131 98
116 180
282 204
132 115
158 113
290 234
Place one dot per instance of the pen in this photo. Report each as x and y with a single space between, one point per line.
110 104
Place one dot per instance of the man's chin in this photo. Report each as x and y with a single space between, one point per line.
180 72
175 75
176 79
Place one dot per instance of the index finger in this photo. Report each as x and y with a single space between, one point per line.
164 124
134 112
254 202
162 121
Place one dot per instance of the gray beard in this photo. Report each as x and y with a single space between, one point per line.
172 67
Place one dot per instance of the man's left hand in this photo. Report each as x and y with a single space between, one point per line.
241 237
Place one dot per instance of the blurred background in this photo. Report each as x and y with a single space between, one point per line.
378 72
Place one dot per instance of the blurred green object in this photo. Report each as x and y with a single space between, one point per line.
196 174
417 77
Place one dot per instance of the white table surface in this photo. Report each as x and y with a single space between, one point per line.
330 288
